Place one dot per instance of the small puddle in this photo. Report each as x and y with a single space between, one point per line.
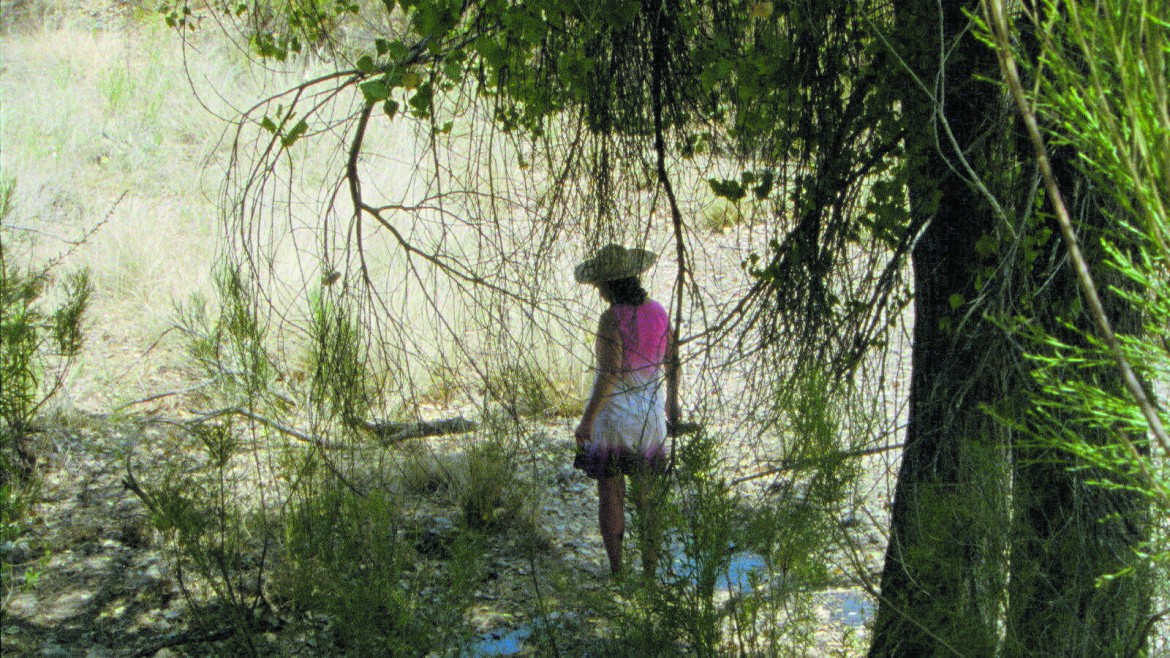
496 643
737 577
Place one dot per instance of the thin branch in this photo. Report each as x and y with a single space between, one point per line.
272 424
801 464
166 394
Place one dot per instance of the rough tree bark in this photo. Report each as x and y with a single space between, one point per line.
942 581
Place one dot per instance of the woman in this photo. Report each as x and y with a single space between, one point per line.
625 424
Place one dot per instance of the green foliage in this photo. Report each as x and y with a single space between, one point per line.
345 557
487 487
424 472
37 347
443 386
1100 88
721 216
230 347
1100 91
526 389
215 545
339 386
273 29
203 504
338 558
688 607
760 184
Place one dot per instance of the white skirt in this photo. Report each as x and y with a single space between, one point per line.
633 417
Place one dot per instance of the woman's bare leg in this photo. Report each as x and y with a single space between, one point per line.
611 495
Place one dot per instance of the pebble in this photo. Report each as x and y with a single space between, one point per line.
53 650
16 552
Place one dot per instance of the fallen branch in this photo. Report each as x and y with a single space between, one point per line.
165 394
389 432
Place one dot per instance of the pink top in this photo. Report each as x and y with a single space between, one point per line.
643 330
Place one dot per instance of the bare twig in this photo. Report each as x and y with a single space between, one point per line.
166 394
268 422
800 464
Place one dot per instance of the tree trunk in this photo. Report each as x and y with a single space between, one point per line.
965 510
943 578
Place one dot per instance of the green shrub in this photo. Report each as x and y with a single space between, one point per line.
345 557
721 215
339 385
424 472
36 350
214 544
229 347
487 487
37 347
342 557
525 389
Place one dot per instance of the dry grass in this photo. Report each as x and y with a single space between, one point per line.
124 131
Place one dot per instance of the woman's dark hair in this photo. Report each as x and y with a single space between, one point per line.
624 292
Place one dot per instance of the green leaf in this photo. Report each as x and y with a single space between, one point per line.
728 189
987 245
268 125
390 107
956 300
453 69
296 133
420 102
365 64
396 50
375 90
764 189
492 52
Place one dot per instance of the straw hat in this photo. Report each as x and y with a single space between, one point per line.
613 262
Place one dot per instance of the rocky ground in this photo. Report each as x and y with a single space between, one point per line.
90 576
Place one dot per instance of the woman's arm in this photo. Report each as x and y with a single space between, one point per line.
608 353
673 375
